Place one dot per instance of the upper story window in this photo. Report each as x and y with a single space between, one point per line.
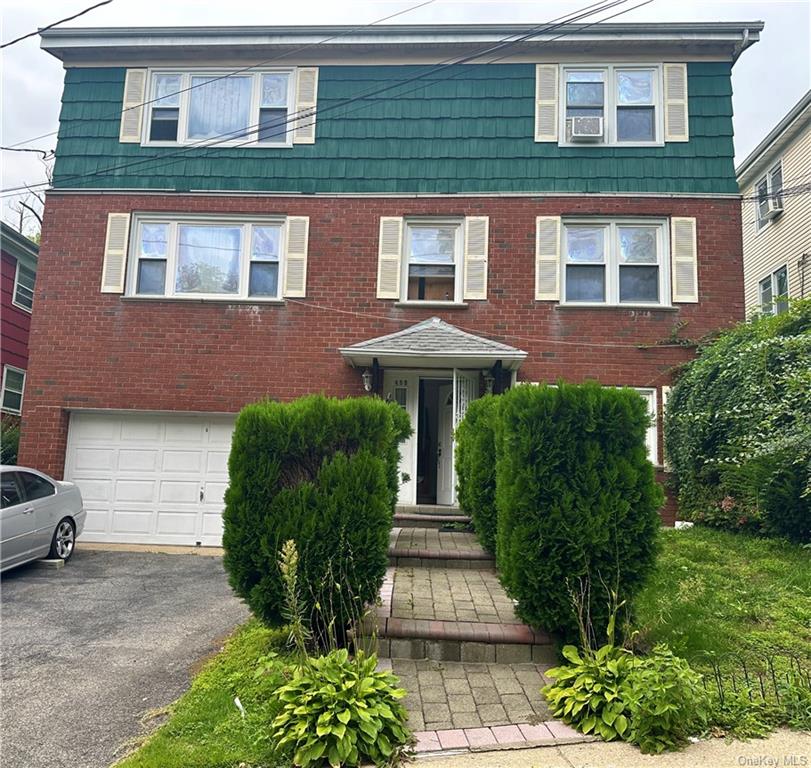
431 267
773 292
612 105
207 259
769 192
250 108
24 279
615 262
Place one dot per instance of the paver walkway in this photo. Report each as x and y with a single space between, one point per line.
473 671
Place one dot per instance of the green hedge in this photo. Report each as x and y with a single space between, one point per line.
476 468
323 472
576 500
738 428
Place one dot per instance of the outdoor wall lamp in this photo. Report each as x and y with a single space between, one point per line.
367 379
489 381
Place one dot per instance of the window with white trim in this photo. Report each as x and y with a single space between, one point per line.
769 192
432 264
207 258
612 104
24 279
773 292
651 437
247 108
615 262
13 387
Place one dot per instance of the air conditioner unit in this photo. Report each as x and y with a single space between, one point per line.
587 128
774 207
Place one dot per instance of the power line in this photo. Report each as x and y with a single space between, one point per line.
245 69
42 152
295 118
56 23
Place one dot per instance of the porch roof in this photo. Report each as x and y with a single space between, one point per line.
433 343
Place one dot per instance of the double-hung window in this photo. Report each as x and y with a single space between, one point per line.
769 192
13 387
432 261
190 258
24 287
773 292
612 105
615 262
246 108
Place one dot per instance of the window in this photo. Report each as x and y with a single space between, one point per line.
651 439
207 259
10 491
13 386
769 191
24 287
773 292
626 99
614 262
36 487
432 250
250 108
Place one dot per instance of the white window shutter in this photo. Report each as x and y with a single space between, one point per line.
115 253
677 123
546 102
295 260
684 257
306 98
133 106
389 255
665 397
476 248
547 258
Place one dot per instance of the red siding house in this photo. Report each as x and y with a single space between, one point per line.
18 274
357 217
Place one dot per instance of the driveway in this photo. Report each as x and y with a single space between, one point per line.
89 648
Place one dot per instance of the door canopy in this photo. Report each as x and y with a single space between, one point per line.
433 343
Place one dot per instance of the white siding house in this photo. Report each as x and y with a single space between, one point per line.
775 182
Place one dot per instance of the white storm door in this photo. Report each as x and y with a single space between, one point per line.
465 391
403 389
444 479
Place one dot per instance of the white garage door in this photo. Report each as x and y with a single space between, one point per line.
150 478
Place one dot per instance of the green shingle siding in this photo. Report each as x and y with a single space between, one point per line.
469 132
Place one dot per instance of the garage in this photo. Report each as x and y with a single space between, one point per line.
150 478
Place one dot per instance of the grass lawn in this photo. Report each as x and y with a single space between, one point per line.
205 729
727 594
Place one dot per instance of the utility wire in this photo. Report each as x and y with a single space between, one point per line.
232 73
294 119
42 152
55 24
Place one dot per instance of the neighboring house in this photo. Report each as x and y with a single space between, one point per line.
775 181
346 217
18 273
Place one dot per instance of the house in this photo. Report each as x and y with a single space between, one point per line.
268 212
18 273
775 182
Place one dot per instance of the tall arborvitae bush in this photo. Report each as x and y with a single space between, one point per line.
476 468
577 501
324 473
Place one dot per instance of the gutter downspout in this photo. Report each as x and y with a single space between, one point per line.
744 45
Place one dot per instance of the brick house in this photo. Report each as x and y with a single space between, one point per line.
350 217
18 274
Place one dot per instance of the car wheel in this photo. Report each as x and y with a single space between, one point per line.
63 541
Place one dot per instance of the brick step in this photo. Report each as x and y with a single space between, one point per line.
427 509
462 641
433 548
425 520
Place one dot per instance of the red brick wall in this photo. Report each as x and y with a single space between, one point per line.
94 350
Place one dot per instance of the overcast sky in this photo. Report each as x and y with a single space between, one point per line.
768 79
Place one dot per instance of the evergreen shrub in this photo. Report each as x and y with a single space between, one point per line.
324 473
577 501
476 468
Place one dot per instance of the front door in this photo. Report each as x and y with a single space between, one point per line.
444 450
403 389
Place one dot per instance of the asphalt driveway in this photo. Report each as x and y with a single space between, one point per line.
91 647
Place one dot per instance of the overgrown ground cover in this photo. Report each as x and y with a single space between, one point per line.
731 595
205 728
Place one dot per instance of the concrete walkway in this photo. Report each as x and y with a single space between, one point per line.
783 748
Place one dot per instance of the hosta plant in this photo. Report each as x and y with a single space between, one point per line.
340 711
587 692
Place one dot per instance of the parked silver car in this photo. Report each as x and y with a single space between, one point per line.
39 517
